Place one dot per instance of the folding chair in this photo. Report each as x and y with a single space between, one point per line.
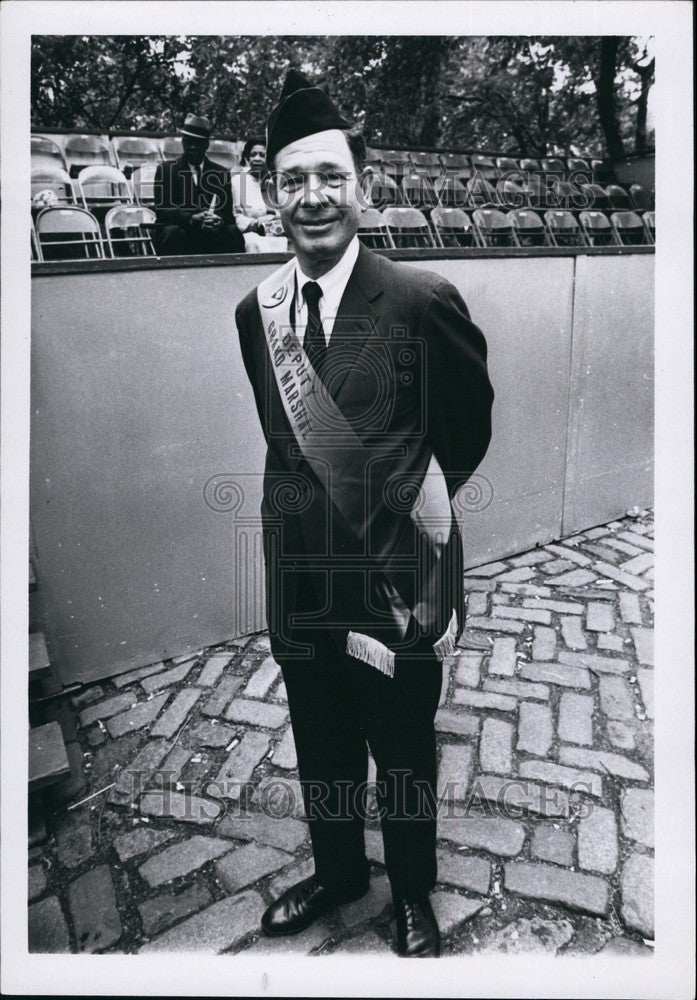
577 165
619 198
451 192
419 192
649 220
480 193
566 195
642 199
172 147
53 225
143 184
552 165
426 163
536 192
224 152
456 163
597 170
484 166
384 192
529 227
597 229
54 179
629 229
510 195
373 230
132 151
530 166
408 228
373 158
596 196
493 228
46 153
103 187
395 163
507 165
563 229
125 232
453 227
86 151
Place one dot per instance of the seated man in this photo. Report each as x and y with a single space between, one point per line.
192 199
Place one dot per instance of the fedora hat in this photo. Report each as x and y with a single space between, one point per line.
196 126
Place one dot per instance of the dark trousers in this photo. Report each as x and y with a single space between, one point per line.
339 707
175 241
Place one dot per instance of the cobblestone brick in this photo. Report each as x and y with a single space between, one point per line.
637 815
176 761
210 733
173 676
285 833
566 777
182 859
556 885
593 661
526 589
175 716
503 659
626 579
477 603
575 723
138 717
452 910
576 578
538 615
370 906
284 755
560 607
256 713
599 617
496 625
454 772
468 669
630 608
215 929
36 882
458 723
557 566
645 678
567 552
262 679
490 569
638 563
636 887
140 840
294 944
552 844
48 931
643 644
620 734
222 695
492 834
572 633
73 839
597 841
133 777
530 935
163 803
544 645
616 698
496 746
606 640
93 908
248 864
484 699
105 709
603 760
291 877
123 680
213 669
516 688
556 673
535 731
466 871
637 538
532 558
88 696
279 796
519 795
161 912
240 764
619 546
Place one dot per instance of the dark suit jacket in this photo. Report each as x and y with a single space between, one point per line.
177 197
408 371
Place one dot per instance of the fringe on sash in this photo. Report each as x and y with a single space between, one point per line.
377 654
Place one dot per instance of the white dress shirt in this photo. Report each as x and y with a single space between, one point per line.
333 285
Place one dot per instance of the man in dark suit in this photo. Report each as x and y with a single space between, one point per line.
193 199
372 389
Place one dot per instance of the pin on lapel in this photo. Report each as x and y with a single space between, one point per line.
277 297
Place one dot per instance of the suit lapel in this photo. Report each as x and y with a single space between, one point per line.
356 319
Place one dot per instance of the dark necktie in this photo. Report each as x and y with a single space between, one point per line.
315 344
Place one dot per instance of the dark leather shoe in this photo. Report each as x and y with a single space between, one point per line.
417 931
301 905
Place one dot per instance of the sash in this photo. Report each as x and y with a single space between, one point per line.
321 432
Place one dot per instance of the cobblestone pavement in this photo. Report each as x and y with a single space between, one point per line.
546 745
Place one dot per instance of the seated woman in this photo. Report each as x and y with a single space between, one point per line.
255 217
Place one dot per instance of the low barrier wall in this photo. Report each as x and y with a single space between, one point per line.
141 411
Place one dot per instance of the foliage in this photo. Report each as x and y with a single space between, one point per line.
523 95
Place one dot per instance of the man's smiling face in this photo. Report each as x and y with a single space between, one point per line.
319 198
